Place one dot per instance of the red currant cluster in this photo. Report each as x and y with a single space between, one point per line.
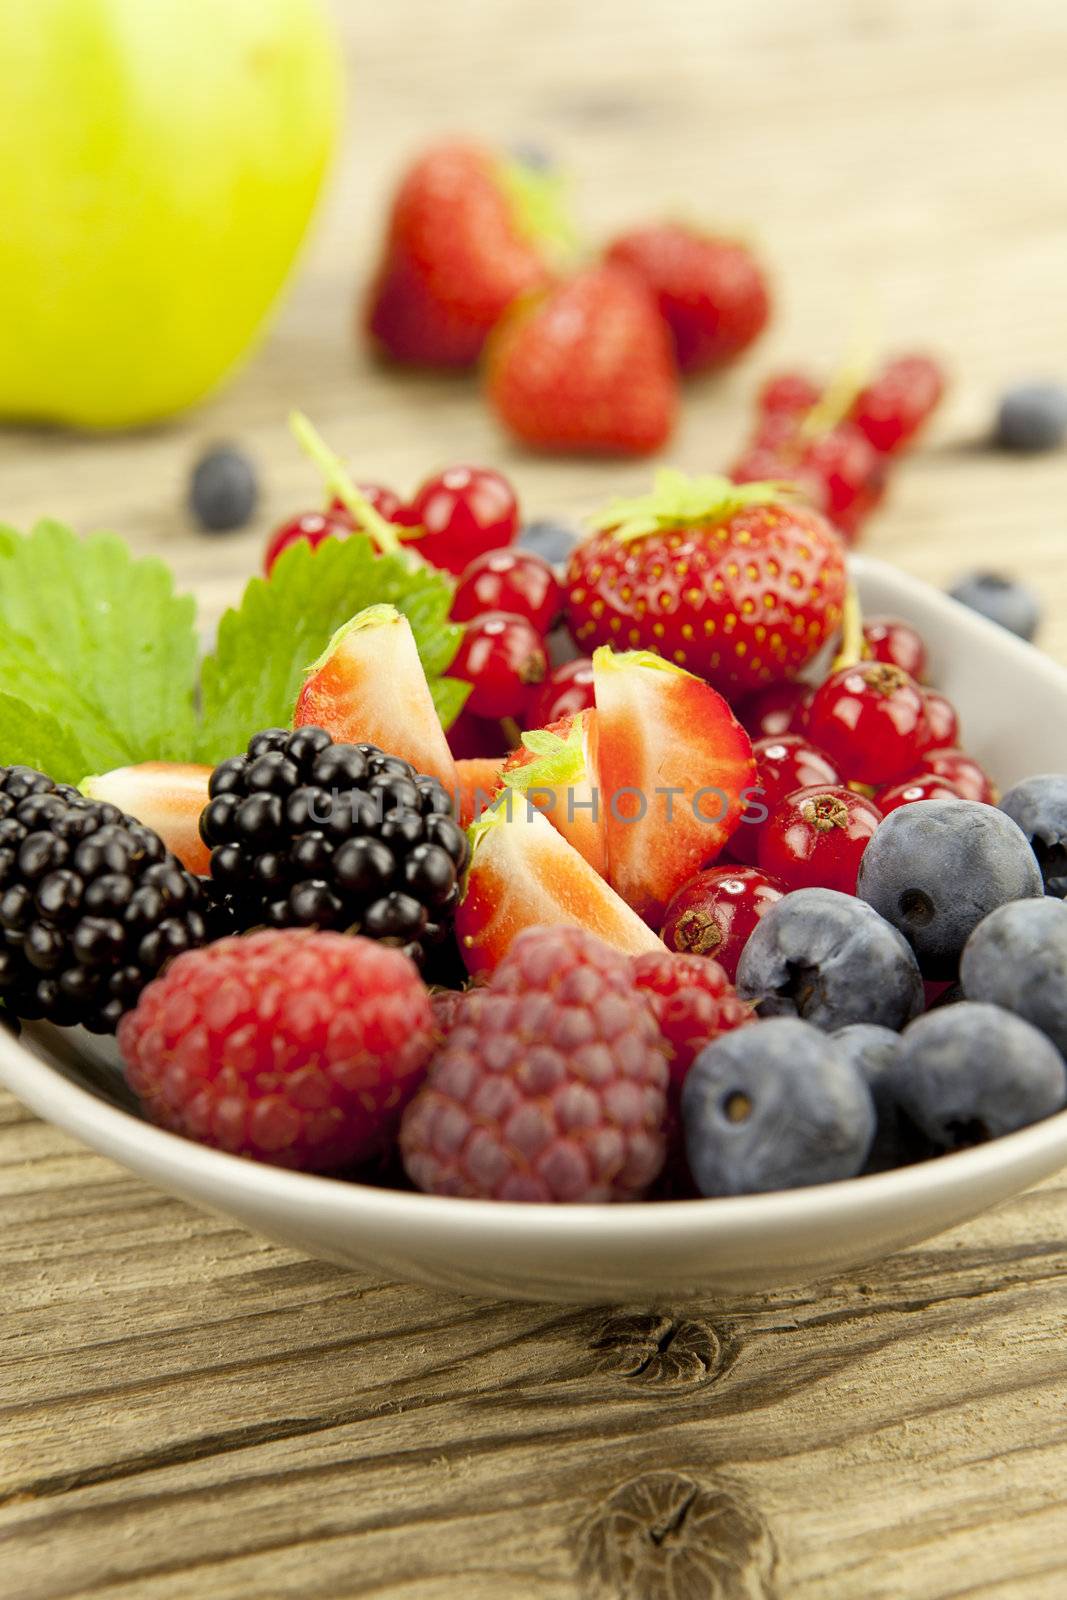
839 449
465 520
831 762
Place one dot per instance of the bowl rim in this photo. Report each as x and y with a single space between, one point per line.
134 1142
154 1151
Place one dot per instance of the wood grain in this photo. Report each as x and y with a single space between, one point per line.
186 1410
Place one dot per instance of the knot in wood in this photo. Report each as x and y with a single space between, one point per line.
669 1536
669 1352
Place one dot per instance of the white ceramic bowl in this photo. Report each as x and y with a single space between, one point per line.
1013 703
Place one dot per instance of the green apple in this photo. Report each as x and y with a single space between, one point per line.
160 161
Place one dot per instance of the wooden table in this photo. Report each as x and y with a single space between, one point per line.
189 1411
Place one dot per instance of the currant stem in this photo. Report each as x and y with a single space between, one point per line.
371 522
850 650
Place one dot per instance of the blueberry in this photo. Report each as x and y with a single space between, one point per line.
1011 605
872 1051
831 960
552 541
774 1106
935 868
1039 806
223 489
973 1072
1017 958
1032 417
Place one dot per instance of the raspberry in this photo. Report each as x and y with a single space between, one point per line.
692 1000
293 1047
551 1086
445 1005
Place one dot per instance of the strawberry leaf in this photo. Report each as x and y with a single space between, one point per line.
99 642
32 738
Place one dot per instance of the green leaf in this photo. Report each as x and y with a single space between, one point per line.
32 738
540 201
27 674
284 623
118 646
450 695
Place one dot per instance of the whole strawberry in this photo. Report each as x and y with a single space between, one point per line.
551 1085
292 1047
587 366
711 292
468 231
734 582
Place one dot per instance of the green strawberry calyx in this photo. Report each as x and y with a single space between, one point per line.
540 206
679 501
383 535
559 762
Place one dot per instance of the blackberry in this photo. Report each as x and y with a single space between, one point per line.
308 833
92 904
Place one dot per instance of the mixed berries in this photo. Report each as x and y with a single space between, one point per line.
699 894
839 441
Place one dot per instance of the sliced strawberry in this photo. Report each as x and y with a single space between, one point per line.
478 780
553 768
524 873
673 764
168 797
369 687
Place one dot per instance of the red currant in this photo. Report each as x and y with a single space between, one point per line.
715 912
773 710
509 580
816 838
853 474
942 720
962 772
783 764
766 460
501 656
312 527
924 786
567 690
892 409
896 643
789 392
386 502
464 511
870 720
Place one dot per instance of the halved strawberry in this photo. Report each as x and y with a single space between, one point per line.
168 797
369 687
478 781
553 769
523 873
673 764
